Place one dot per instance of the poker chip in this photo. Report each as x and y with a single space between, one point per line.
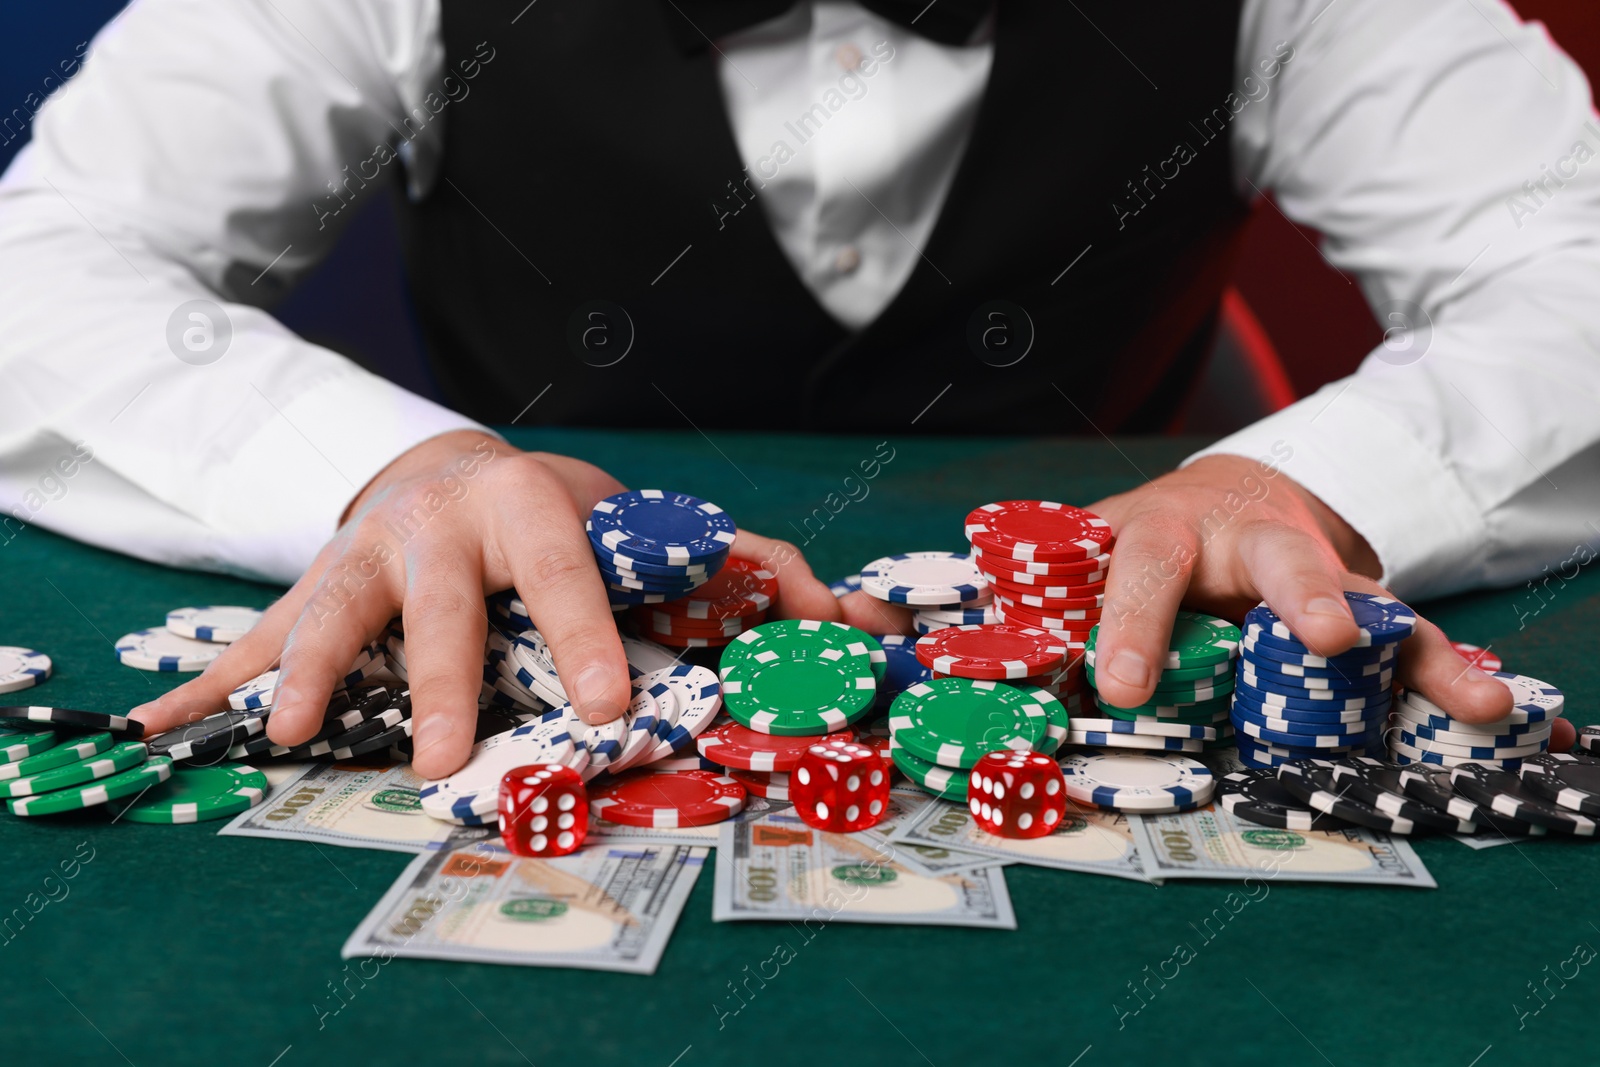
1381 620
768 785
1531 699
738 747
371 726
62 752
22 668
1257 796
219 624
1145 783
117 758
687 763
991 653
1038 530
1535 736
1401 752
946 783
1502 792
697 698
672 529
1431 785
530 653
1571 781
1377 784
1298 740
260 691
1346 675
798 677
1293 685
663 801
198 794
1201 711
953 721
1063 627
1356 728
1217 672
1480 658
162 650
1215 687
1197 641
367 703
925 578
1057 720
642 734
475 789
959 616
1148 727
1098 739
20 744
395 740
36 716
1472 752
75 798
902 668
622 563
1298 655
1050 572
845 586
211 736
1310 699
1311 782
603 741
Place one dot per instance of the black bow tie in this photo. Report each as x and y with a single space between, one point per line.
695 22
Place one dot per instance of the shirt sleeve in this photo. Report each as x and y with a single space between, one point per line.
202 161
1448 154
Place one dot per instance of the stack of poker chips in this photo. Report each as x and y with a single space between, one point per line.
653 546
941 588
940 728
734 600
1291 703
1421 732
1189 710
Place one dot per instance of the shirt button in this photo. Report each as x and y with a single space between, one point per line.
848 259
849 56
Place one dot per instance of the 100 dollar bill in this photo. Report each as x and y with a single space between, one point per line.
606 909
1088 840
352 805
777 867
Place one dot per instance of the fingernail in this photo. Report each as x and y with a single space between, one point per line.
431 731
588 693
1129 668
1326 605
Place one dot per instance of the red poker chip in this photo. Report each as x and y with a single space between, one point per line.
1054 587
773 786
739 747
1075 631
1006 565
690 641
664 799
652 622
739 589
1038 530
1065 603
1480 658
992 651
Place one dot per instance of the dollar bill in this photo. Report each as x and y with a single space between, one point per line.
601 908
906 803
777 867
352 805
1088 840
1209 842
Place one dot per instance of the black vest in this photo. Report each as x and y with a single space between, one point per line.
589 152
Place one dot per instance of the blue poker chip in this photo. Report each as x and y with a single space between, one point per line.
652 526
621 561
1331 717
1363 666
1381 620
1321 742
1291 685
1119 739
958 616
1310 700
848 584
1360 728
1356 659
904 669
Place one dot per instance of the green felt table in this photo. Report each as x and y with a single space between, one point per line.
173 945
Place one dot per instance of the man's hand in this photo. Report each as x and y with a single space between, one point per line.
1226 533
452 520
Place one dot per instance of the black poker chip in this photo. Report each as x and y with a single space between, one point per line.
1502 792
341 718
72 720
396 713
1589 739
1572 781
1257 796
206 741
379 742
1430 783
1310 781
1376 783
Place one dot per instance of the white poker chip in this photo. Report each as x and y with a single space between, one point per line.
698 694
260 691
643 718
1137 781
474 791
162 650
22 668
220 624
926 579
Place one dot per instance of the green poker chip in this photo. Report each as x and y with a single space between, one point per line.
1175 674
799 680
875 652
78 748
1057 720
196 794
75 798
20 744
104 765
1185 692
1197 641
953 721
1208 711
943 782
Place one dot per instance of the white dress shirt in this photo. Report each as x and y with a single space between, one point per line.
190 158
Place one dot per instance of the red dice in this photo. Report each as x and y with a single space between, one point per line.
1017 794
544 810
840 786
